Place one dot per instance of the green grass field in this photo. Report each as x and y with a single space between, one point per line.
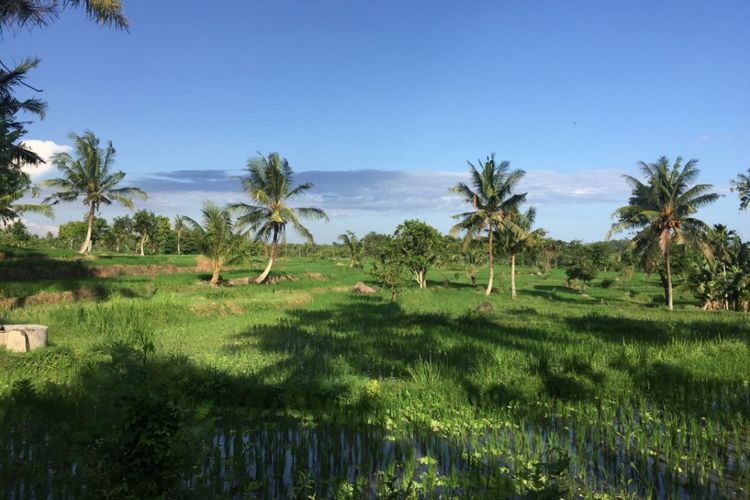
445 392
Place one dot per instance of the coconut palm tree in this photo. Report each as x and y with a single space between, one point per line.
515 242
216 238
660 210
270 187
89 176
179 226
492 200
354 246
741 185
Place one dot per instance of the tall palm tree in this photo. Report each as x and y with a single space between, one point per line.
179 226
89 175
217 238
660 210
354 246
741 185
270 187
518 241
492 200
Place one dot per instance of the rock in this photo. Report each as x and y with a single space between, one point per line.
362 289
238 281
314 276
23 338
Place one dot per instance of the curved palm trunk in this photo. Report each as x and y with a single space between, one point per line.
513 276
668 288
492 266
264 275
86 246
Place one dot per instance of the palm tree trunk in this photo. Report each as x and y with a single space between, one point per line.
264 275
513 276
86 246
492 265
216 273
668 289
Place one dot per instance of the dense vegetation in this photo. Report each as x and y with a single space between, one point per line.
166 382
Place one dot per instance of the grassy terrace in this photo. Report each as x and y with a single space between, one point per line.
557 393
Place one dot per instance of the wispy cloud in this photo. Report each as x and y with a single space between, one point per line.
388 190
46 150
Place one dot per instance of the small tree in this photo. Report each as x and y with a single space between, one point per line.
144 224
217 239
354 247
389 268
584 271
420 246
120 234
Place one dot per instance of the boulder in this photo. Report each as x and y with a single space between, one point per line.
23 338
362 289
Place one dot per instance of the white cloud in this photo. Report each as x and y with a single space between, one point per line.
46 150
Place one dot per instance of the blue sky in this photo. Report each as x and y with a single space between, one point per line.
400 94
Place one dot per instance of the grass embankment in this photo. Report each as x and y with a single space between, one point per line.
634 398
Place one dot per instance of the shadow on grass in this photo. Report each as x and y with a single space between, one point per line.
315 350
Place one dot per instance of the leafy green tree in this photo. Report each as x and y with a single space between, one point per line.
741 186
217 238
120 234
162 235
354 247
517 240
720 277
270 187
492 200
179 227
582 270
420 246
375 245
89 176
70 233
389 268
144 225
660 210
19 232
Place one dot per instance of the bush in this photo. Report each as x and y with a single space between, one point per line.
608 282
